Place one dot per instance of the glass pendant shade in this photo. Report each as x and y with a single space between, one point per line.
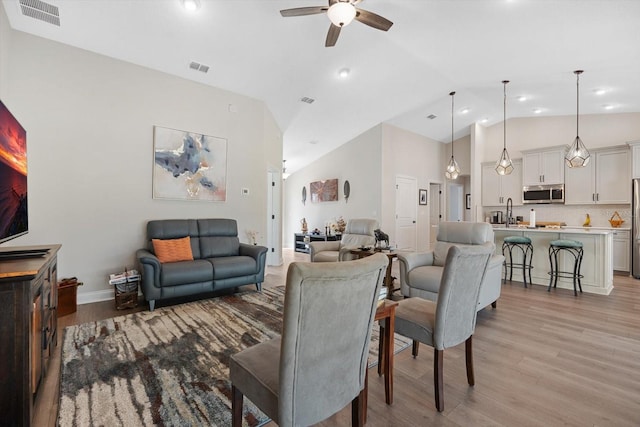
341 13
577 155
453 170
504 165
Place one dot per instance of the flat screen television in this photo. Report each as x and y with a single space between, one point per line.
14 218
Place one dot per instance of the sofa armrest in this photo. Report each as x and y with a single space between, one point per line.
150 268
254 251
315 247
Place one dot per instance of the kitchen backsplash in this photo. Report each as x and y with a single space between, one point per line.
572 215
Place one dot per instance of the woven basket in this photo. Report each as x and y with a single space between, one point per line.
616 220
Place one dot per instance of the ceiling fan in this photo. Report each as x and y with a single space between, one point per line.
341 13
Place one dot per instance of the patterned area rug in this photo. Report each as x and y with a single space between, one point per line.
169 366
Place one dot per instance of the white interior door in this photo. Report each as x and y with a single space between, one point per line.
435 212
274 245
406 212
456 200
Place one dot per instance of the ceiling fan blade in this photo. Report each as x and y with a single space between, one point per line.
373 20
332 35
301 11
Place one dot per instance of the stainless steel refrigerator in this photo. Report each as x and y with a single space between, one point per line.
635 228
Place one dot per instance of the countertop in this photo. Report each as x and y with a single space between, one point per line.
563 229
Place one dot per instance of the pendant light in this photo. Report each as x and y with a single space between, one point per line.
453 170
577 155
504 165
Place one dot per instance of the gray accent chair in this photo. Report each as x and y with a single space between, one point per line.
452 319
319 364
220 261
421 272
359 232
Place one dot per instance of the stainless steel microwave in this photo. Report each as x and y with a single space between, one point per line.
552 193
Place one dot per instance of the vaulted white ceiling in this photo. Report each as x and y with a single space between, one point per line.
398 77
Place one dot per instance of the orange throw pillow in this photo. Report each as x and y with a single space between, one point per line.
173 250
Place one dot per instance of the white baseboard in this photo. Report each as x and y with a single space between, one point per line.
89 297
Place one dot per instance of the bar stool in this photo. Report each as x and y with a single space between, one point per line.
574 248
524 244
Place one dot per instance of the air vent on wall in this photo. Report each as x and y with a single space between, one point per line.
198 67
40 10
307 100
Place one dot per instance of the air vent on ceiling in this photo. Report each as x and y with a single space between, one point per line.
38 9
198 67
431 116
307 100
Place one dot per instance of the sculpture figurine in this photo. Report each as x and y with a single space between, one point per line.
381 236
304 225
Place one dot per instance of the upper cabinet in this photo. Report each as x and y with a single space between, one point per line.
496 189
543 166
605 179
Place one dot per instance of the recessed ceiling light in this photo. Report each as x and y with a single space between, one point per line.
465 110
599 92
190 5
485 120
431 116
607 107
537 110
522 98
313 142
344 73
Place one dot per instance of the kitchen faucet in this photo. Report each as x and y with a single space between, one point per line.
509 212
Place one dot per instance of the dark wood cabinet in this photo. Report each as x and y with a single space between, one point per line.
28 327
302 245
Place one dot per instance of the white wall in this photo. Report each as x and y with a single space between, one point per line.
596 130
408 154
89 122
359 162
5 35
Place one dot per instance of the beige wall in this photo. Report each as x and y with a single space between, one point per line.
359 162
596 130
89 122
371 162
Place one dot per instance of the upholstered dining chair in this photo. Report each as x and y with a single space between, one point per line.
319 364
452 319
359 232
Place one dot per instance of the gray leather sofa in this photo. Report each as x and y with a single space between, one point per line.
220 261
421 272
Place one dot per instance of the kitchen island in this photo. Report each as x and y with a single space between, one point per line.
597 262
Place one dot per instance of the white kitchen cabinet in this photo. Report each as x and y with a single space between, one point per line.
543 166
621 250
605 179
496 189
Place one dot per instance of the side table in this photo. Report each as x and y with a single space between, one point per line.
388 279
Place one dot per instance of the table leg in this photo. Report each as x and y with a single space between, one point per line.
388 360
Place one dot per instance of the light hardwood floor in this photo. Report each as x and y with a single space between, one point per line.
541 359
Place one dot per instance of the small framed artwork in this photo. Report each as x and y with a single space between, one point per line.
422 196
467 201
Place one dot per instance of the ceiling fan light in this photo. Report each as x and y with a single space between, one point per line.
453 170
341 13
577 155
504 166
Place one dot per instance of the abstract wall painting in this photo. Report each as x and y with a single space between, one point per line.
189 166
324 191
